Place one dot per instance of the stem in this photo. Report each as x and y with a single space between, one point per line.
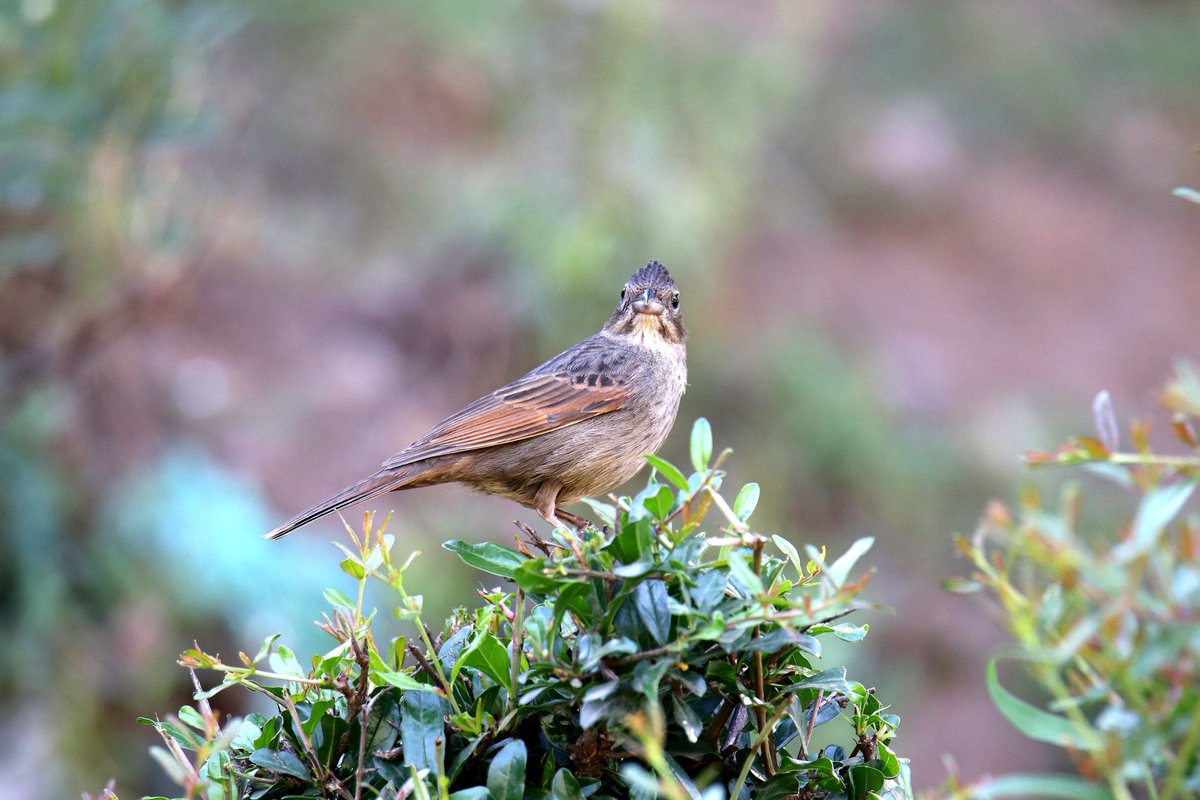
437 666
1152 459
642 655
812 722
311 754
249 672
518 637
1191 741
737 787
759 683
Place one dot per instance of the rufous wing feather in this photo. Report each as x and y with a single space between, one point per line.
527 407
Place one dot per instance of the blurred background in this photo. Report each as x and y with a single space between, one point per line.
248 250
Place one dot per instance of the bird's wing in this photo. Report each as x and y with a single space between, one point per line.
527 407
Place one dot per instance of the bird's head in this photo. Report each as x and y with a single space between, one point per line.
649 306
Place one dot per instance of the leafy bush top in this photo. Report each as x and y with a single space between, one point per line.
666 658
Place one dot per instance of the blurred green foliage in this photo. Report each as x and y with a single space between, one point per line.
1107 623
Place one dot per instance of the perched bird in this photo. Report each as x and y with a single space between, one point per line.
576 426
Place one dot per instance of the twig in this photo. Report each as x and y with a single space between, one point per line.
535 540
812 720
518 626
327 779
425 666
760 710
642 655
360 771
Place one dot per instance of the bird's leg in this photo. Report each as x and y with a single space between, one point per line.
578 521
545 502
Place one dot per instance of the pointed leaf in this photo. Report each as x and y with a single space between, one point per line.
489 557
282 761
1036 723
741 570
506 773
687 718
650 599
668 471
421 730
839 570
486 654
565 786
1066 787
746 501
1158 507
701 444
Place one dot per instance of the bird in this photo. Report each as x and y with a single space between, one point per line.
576 426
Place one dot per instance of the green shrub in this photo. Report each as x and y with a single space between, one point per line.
669 658
1107 622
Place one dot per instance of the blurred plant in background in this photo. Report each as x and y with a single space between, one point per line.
98 108
1106 623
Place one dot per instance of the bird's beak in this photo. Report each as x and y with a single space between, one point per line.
647 303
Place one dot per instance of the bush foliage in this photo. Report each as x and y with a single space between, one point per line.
1106 621
662 655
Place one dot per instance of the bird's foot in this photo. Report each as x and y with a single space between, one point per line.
579 522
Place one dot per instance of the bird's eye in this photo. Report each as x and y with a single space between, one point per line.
675 300
622 294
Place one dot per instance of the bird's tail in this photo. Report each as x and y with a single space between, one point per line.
379 483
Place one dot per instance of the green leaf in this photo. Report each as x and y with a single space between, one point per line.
470 793
864 779
701 444
668 471
650 599
383 723
844 631
789 550
486 654
565 786
421 729
284 662
267 644
1036 723
354 568
779 787
315 713
1066 787
282 761
831 680
531 576
687 718
746 501
778 639
607 512
740 569
190 716
709 590
489 557
659 503
1158 507
632 541
336 598
723 673
506 773
839 570
401 680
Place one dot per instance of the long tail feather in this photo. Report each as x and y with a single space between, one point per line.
377 484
